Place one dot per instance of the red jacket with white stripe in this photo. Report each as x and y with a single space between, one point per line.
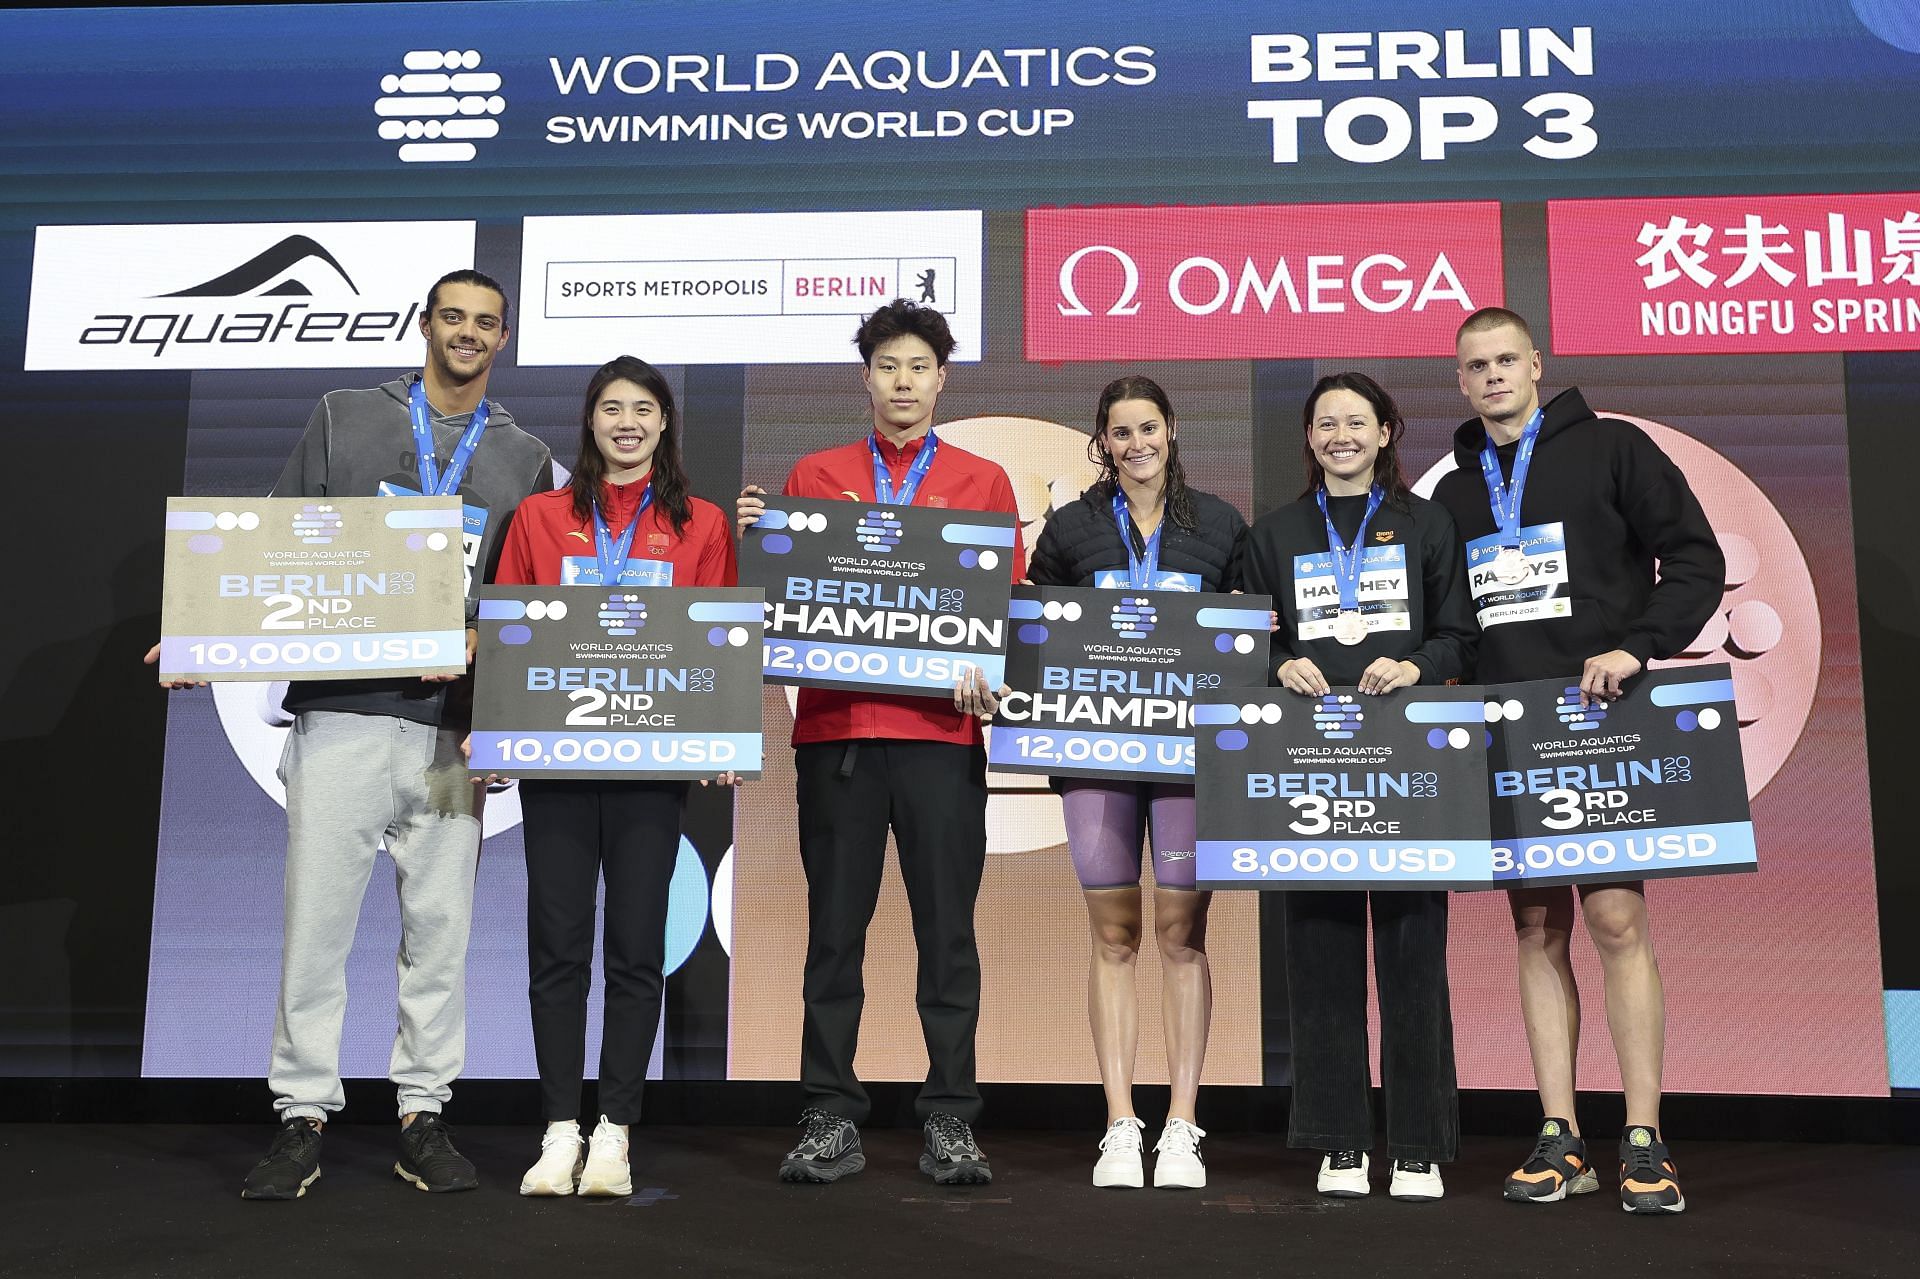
958 480
545 531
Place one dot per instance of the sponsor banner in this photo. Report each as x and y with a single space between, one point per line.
739 288
1735 275
651 683
290 588
1648 786
879 598
807 104
1257 281
1342 790
254 295
1103 681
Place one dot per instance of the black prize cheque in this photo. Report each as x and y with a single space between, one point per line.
1103 680
881 599
273 588
1648 786
657 683
1342 790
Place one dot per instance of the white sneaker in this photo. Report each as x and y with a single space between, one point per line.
1415 1180
1343 1175
606 1171
1179 1165
1120 1155
559 1163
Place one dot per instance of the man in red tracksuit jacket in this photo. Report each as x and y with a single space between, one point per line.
867 762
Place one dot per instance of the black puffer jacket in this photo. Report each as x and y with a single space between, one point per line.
1081 539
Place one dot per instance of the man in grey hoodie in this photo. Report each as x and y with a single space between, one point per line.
379 759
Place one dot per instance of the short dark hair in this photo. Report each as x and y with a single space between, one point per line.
903 319
1493 317
479 280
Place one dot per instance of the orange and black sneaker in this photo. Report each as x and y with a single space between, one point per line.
1648 1180
1557 1168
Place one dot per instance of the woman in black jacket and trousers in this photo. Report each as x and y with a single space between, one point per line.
1141 527
1403 617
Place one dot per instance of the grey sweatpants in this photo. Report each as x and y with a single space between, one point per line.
353 780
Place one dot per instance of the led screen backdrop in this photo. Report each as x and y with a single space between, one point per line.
1233 200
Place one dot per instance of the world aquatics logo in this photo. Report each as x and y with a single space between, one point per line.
440 106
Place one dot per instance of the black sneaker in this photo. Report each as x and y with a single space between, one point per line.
829 1151
428 1159
291 1165
951 1157
1557 1168
1649 1182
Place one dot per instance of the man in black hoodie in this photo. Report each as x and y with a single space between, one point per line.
1564 516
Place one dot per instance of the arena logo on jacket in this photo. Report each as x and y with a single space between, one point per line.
1384 592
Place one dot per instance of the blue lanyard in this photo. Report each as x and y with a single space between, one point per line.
1505 497
883 489
433 482
1346 559
612 553
1140 571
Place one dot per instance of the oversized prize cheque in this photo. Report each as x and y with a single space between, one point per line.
1343 790
1103 680
651 683
290 588
879 598
1648 786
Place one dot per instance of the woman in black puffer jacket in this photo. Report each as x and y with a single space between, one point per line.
1140 526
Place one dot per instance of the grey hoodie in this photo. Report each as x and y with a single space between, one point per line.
359 444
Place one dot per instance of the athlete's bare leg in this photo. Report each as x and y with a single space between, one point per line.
1549 999
1180 926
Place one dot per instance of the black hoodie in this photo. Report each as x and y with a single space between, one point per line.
1621 505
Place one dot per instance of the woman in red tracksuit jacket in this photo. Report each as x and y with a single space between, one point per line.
626 514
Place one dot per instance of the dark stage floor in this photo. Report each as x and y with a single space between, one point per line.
163 1200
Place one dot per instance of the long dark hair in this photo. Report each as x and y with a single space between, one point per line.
1178 497
1386 467
669 478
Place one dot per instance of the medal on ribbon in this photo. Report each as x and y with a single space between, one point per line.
433 481
1503 496
883 489
1349 627
1141 569
612 552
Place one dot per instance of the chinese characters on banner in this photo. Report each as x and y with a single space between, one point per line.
1735 275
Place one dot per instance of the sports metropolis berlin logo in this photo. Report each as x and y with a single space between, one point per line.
440 106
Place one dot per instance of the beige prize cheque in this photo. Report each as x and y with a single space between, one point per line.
291 588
